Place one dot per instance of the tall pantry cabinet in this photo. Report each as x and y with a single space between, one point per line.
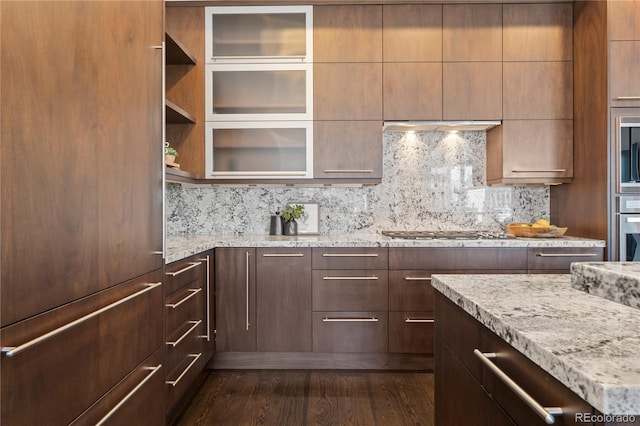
81 213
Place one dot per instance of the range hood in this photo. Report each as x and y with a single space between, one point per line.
439 126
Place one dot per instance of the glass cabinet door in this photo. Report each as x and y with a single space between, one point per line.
253 33
259 92
268 150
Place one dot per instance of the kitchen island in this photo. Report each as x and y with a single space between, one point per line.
588 344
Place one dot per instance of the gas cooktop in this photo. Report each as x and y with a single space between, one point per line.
447 235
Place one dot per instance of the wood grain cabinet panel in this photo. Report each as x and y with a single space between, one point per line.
538 32
350 258
472 90
472 32
137 398
413 91
624 78
412 33
350 331
284 299
411 332
534 151
410 291
80 363
350 290
538 90
235 278
350 33
93 228
347 91
347 149
624 16
450 259
558 259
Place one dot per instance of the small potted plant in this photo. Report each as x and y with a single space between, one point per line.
170 154
289 214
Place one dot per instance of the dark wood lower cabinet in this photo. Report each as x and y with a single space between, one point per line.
135 400
468 390
235 280
284 300
411 332
350 332
95 343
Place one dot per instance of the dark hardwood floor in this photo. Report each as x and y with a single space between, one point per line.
312 397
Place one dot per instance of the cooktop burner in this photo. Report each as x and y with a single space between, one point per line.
446 235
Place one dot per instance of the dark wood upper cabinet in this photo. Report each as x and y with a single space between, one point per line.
472 32
79 136
538 32
412 33
625 17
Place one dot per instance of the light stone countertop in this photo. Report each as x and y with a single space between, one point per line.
180 247
617 281
590 344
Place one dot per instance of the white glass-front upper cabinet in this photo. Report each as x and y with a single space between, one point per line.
256 92
259 92
253 34
259 150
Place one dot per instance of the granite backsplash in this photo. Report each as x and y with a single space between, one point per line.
432 181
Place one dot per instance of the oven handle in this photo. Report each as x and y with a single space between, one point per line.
635 219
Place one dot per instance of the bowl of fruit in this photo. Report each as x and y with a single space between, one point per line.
538 229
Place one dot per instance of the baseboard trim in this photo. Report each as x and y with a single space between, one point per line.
320 361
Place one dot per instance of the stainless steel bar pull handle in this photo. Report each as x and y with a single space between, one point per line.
258 57
193 361
153 370
539 170
412 320
632 219
208 296
14 350
566 254
192 292
348 170
417 278
546 413
628 98
247 287
371 278
349 254
185 269
181 338
283 255
327 319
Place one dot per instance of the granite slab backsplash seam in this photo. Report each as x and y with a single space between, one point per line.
431 181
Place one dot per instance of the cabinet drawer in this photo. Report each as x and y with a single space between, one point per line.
120 327
411 332
543 388
350 290
179 274
410 291
558 260
465 258
350 332
138 398
182 306
182 341
350 258
180 379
